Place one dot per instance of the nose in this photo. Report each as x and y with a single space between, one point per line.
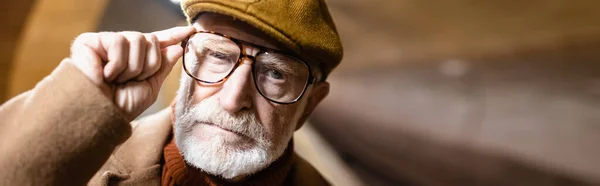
237 89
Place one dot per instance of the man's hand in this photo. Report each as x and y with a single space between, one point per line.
129 67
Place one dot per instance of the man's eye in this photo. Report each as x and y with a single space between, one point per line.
219 55
274 74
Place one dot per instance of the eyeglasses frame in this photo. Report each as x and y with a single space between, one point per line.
310 80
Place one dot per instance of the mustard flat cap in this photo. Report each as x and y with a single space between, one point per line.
304 26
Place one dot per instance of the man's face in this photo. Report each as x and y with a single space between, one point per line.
229 129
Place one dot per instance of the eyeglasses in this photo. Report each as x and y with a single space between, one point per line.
211 57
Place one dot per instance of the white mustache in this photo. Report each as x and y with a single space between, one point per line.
208 111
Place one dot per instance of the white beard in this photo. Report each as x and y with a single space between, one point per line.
217 155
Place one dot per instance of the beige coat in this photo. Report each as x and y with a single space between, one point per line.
66 132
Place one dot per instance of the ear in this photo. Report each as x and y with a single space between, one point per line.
319 92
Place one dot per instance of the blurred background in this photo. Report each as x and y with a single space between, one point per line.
459 92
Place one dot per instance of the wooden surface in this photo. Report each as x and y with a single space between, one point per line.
13 15
527 121
47 36
382 32
466 92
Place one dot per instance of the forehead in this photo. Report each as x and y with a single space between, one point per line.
235 28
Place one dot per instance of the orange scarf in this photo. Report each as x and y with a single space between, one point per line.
177 172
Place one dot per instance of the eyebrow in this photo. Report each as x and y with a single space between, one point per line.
218 46
270 61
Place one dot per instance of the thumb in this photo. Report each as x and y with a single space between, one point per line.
170 55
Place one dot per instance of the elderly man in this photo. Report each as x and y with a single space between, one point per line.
254 70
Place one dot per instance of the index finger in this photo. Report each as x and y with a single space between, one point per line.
173 36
